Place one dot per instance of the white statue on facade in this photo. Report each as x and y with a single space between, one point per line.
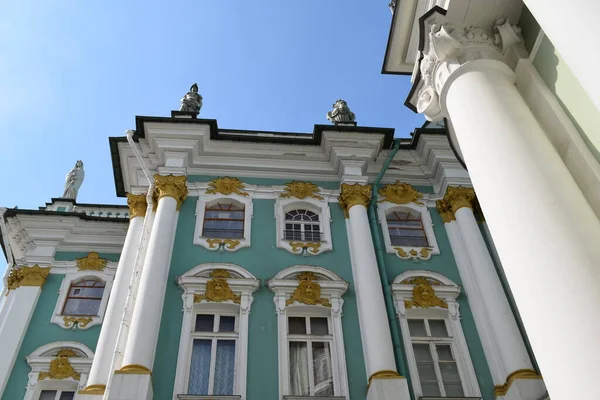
192 101
74 181
341 113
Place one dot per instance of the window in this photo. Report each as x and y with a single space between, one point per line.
302 225
406 229
212 366
224 221
84 297
56 395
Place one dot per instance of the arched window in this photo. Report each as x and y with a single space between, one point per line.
224 220
406 229
302 225
84 297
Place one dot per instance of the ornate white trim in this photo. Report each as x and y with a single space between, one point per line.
40 360
195 281
321 207
407 252
333 287
448 291
59 319
209 199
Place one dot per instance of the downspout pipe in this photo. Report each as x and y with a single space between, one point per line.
387 289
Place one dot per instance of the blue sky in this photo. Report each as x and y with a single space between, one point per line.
73 73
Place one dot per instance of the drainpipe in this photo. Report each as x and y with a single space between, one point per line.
387 289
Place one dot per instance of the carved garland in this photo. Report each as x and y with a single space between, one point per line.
301 190
61 368
217 289
308 291
226 185
423 294
91 262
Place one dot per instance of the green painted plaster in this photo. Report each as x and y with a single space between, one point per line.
72 255
263 259
263 181
41 332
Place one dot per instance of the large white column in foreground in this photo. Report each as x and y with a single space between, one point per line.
132 380
25 285
384 381
571 29
100 371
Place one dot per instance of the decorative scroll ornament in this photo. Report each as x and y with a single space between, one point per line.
352 195
226 186
171 186
424 296
422 253
61 368
445 211
137 205
301 190
305 247
229 244
459 197
308 291
76 322
27 276
91 262
501 390
400 193
217 289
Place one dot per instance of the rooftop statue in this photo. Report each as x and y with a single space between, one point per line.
74 181
192 101
341 113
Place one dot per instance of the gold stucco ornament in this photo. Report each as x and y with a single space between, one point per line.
217 289
501 390
229 244
459 197
226 185
79 322
308 291
27 276
423 253
170 186
423 295
445 211
91 262
137 205
352 195
305 247
400 193
61 368
301 190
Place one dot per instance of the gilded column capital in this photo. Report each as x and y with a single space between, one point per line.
458 197
352 195
445 211
27 276
171 186
137 205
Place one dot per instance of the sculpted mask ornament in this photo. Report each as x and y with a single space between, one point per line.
27 276
352 195
192 101
61 368
226 186
217 289
137 205
92 262
171 186
301 190
308 291
400 193
341 113
423 295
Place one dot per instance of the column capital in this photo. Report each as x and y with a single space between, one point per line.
171 186
137 205
352 195
458 197
445 211
27 276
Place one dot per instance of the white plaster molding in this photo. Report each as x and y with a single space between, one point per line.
59 319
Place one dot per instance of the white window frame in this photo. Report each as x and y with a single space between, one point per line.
408 252
57 316
320 207
211 199
195 281
40 360
448 291
332 288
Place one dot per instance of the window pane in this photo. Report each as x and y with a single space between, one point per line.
224 367
426 370
48 395
318 326
454 390
297 325
67 396
417 327
444 352
86 292
200 367
323 377
299 384
422 352
205 323
81 307
226 323
438 328
430 388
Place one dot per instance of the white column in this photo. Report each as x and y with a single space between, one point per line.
571 29
375 332
25 285
101 367
138 359
545 231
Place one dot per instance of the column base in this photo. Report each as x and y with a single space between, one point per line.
521 385
388 389
133 382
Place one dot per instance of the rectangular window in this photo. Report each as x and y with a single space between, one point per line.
310 357
212 367
436 364
224 221
406 229
56 395
84 297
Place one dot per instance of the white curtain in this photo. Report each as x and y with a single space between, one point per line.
299 385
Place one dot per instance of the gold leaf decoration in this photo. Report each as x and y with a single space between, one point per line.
217 289
352 195
137 205
422 253
303 246
91 262
79 322
226 185
424 295
61 368
170 186
308 291
445 210
501 390
459 197
301 190
27 276
230 244
400 193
